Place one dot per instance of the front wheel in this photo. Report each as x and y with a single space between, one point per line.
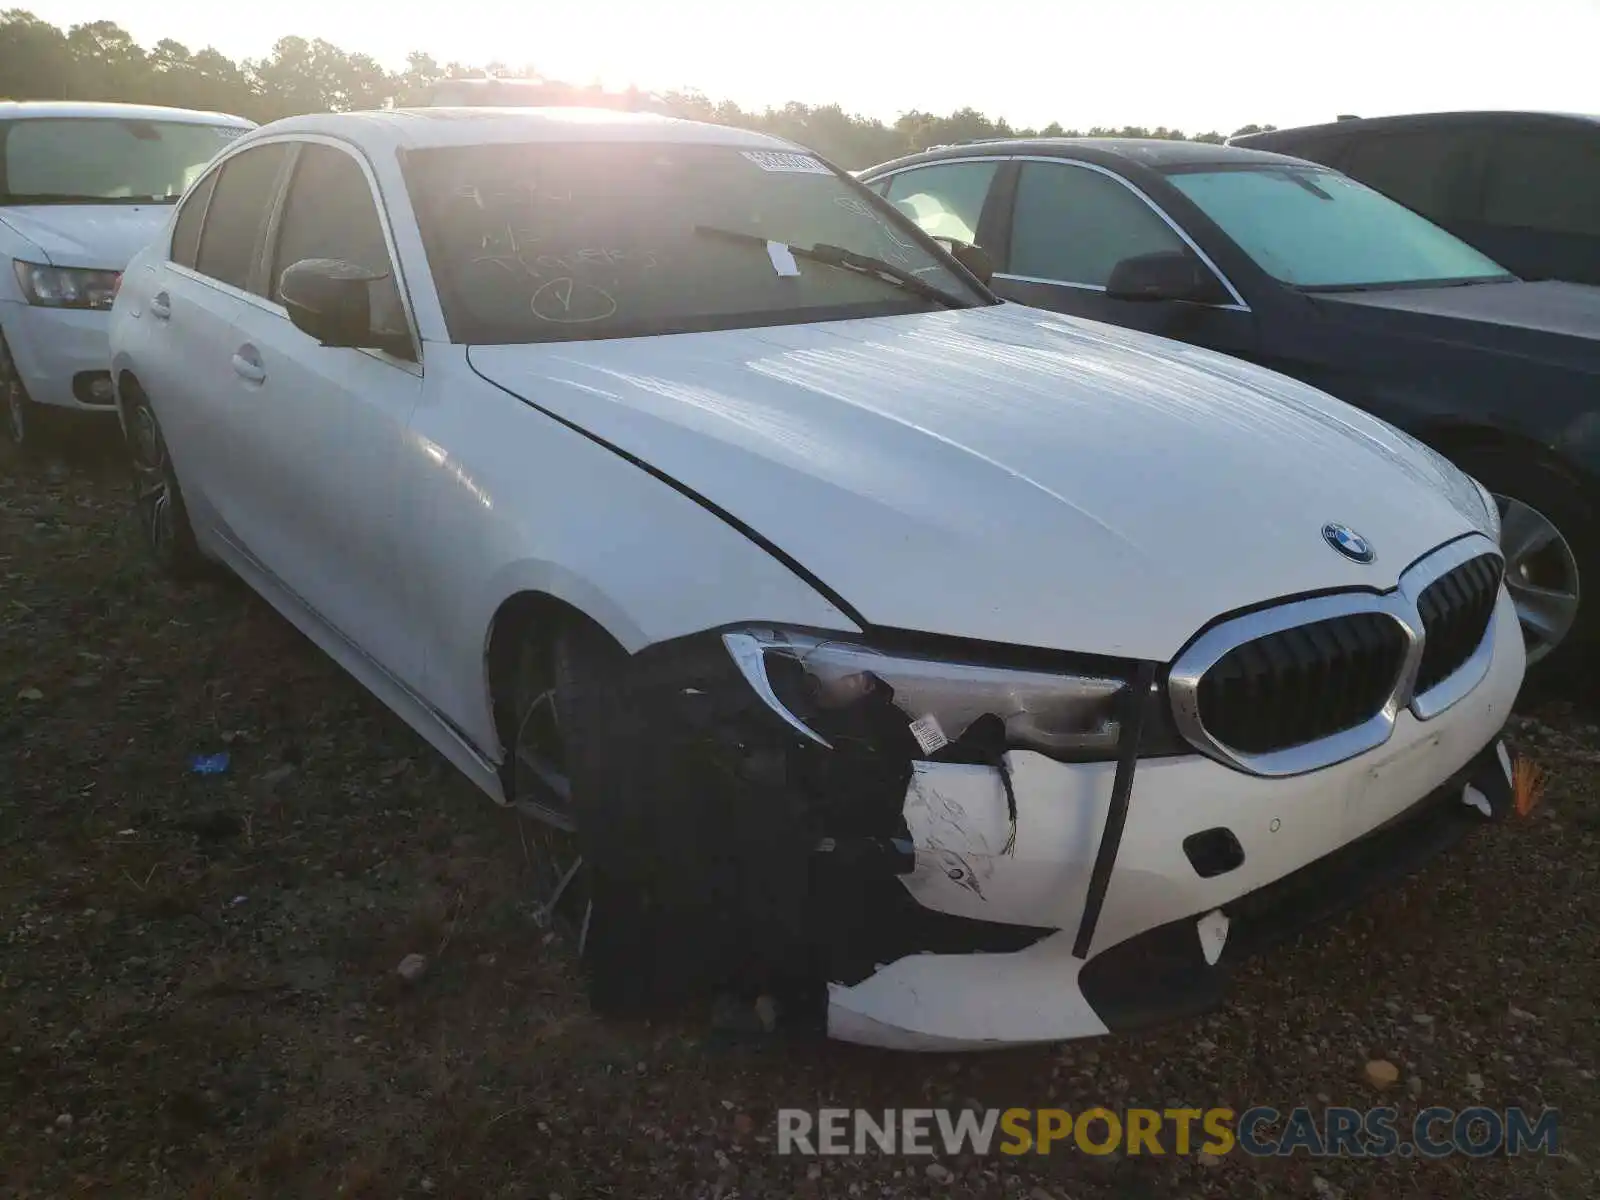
562 715
1551 543
620 855
542 789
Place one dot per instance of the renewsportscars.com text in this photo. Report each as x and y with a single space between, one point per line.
1258 1131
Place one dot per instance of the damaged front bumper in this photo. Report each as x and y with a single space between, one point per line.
1044 993
974 895
1214 866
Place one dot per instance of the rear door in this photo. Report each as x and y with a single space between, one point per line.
322 431
1071 223
185 367
1540 214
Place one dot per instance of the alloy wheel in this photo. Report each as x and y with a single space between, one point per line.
543 790
1541 575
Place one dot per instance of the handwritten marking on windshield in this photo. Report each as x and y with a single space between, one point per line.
899 252
522 193
566 301
522 256
904 253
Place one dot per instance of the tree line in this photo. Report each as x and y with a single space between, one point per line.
99 60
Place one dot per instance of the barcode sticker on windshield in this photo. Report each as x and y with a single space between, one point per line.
929 734
783 161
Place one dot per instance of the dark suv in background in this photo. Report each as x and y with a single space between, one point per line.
1301 269
1524 188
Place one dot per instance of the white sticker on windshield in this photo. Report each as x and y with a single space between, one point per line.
782 259
929 734
784 161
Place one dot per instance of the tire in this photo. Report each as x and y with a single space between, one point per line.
162 516
629 966
557 721
27 425
1550 533
636 905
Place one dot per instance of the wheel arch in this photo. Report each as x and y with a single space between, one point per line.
125 386
525 613
1452 438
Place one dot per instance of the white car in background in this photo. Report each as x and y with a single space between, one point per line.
960 673
82 186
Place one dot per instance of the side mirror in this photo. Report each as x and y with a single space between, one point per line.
1165 275
331 301
973 258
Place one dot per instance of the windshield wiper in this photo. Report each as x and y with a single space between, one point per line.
849 260
1303 179
1404 285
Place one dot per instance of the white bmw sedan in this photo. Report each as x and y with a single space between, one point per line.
958 673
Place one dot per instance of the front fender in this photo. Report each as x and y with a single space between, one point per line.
512 501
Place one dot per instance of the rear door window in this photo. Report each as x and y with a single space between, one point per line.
237 214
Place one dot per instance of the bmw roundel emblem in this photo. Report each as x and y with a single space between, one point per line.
1348 543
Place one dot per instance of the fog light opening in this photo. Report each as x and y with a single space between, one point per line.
1213 852
93 387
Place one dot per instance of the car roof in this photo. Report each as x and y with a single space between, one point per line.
1149 152
1436 120
23 110
426 128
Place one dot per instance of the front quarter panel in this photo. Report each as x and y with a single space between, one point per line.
510 500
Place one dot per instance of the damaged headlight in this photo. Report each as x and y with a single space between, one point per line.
949 707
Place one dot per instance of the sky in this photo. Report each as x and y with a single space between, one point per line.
1191 66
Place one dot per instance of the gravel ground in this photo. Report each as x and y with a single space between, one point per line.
199 994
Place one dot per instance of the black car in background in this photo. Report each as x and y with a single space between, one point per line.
1301 269
1522 187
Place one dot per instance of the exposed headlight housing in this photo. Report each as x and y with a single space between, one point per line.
66 287
812 681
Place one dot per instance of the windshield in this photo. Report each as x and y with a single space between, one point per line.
94 160
1319 230
551 242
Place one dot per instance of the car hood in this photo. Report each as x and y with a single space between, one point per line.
1009 474
88 235
1554 322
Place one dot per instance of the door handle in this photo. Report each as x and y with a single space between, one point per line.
161 306
247 365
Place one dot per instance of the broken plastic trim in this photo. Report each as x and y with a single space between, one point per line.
1073 717
1133 710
